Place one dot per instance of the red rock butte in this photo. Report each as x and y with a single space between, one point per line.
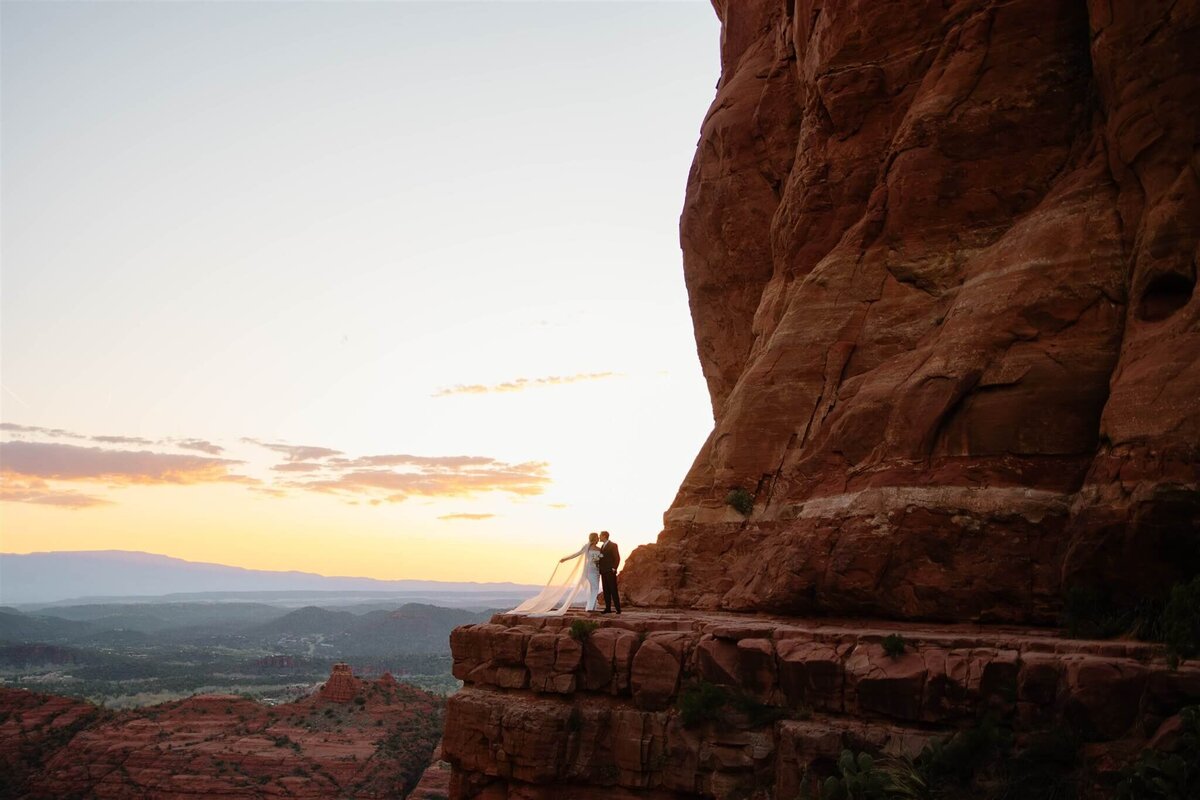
941 261
342 686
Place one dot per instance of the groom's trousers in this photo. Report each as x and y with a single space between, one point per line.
612 598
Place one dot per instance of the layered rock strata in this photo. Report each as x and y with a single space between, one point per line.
544 714
941 261
342 686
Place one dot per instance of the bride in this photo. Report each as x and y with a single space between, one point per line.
581 575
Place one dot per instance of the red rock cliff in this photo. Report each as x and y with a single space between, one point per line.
941 259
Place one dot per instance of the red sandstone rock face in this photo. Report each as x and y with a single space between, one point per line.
603 721
940 259
342 686
435 780
218 746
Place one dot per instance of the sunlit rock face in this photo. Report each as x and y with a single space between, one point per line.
941 260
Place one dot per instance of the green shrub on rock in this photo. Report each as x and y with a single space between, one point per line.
741 501
581 629
1181 620
1158 775
858 779
701 702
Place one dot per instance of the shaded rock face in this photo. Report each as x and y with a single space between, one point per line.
606 723
941 260
435 780
219 746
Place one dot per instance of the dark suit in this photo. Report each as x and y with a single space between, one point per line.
610 559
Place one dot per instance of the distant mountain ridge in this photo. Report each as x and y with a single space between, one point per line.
413 628
65 575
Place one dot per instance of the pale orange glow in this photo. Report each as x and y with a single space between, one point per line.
222 524
366 315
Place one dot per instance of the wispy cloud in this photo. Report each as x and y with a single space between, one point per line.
12 427
393 486
37 431
39 492
68 462
121 440
466 516
199 445
402 460
521 384
297 466
295 452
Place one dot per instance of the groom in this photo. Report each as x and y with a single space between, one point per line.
610 559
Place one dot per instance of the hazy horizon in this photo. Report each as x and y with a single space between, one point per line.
388 290
119 576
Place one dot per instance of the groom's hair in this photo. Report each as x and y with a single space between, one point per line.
604 535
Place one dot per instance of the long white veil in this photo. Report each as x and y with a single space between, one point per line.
565 584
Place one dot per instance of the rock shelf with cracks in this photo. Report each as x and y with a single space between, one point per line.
542 715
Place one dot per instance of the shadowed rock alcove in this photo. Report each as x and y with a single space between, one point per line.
1164 295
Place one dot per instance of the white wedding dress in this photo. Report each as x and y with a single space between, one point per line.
575 578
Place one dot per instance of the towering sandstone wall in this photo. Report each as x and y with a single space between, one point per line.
941 259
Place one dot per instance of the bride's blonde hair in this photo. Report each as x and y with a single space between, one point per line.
592 538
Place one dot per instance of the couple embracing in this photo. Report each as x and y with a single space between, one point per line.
578 577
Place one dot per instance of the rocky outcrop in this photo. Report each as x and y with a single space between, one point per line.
342 686
941 261
375 746
435 780
544 713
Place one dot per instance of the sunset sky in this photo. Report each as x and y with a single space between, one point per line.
378 289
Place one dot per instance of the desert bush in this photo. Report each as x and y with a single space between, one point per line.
1173 619
581 629
977 762
740 500
701 702
894 645
1045 769
858 778
1158 775
755 712
1181 620
1089 613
